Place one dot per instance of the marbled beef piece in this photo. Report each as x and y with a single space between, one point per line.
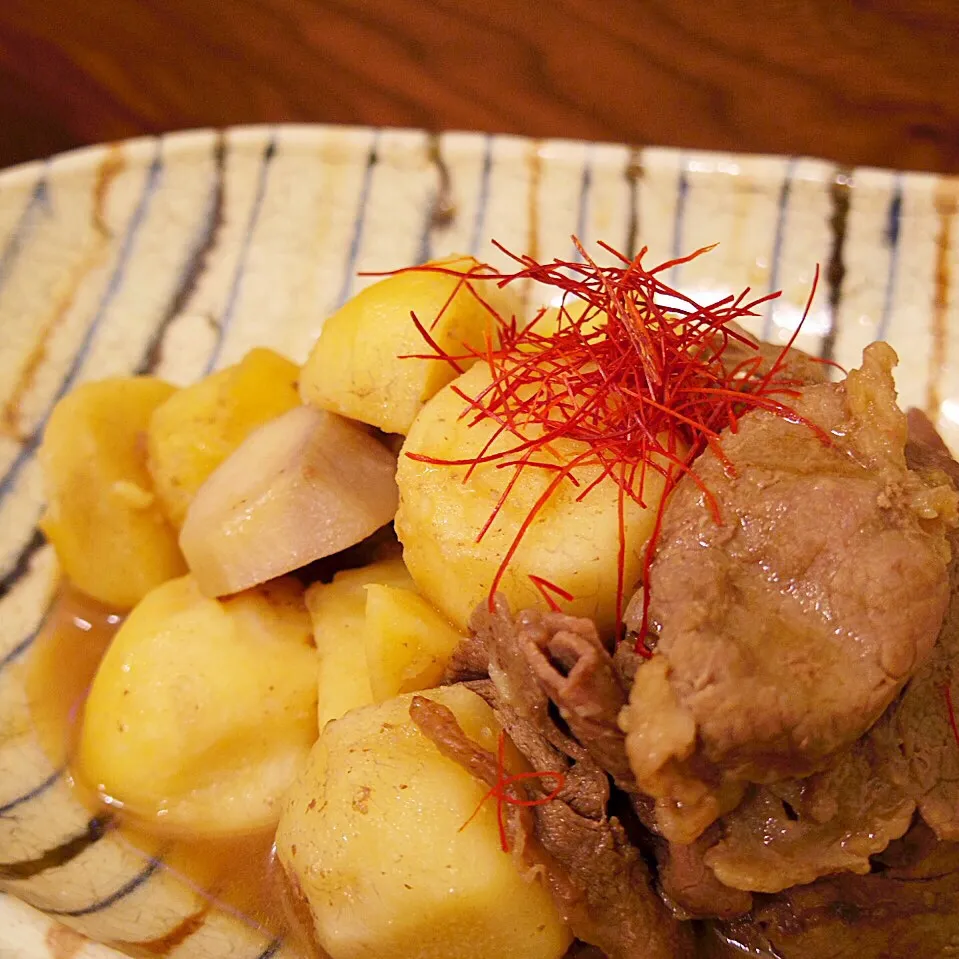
788 627
840 819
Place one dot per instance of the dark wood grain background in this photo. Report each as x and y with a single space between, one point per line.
858 81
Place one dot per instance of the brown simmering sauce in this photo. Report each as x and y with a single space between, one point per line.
238 872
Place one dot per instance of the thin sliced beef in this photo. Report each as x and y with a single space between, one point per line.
691 887
794 832
603 887
787 629
524 710
469 661
920 854
511 649
879 916
627 661
550 659
597 878
905 908
929 741
576 672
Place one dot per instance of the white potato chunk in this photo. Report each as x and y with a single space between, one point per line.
338 612
573 545
408 643
358 368
203 710
102 517
373 835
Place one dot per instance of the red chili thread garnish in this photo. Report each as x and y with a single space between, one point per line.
501 790
546 589
947 692
636 384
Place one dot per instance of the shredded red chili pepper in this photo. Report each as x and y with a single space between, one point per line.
501 791
637 381
547 589
947 692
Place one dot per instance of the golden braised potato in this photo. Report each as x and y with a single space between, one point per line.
303 486
338 612
408 643
574 545
198 427
372 831
355 368
203 710
110 534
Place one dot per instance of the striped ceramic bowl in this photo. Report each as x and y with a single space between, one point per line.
176 255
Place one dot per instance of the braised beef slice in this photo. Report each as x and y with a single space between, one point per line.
795 831
599 882
787 629
586 789
907 906
928 740
691 886
597 876
919 854
603 887
576 672
469 661
543 660
549 658
798 830
626 661
523 708
876 916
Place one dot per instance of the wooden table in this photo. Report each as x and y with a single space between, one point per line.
856 81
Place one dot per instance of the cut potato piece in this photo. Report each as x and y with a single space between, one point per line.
356 367
110 534
197 428
202 710
408 643
373 833
338 612
573 545
306 485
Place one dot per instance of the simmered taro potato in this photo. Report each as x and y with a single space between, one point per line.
103 518
377 836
